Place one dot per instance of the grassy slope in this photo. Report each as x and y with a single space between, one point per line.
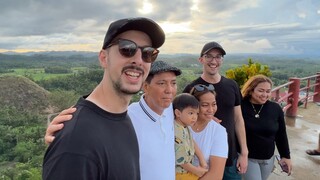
22 93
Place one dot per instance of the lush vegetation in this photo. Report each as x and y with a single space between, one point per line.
21 144
243 73
34 87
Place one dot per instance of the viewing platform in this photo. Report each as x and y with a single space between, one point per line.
303 133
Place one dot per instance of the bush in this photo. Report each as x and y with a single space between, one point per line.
243 73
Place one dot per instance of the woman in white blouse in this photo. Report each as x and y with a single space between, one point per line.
210 136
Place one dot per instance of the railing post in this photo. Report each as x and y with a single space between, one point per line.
316 98
294 88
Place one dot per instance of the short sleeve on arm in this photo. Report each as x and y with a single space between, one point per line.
220 142
70 166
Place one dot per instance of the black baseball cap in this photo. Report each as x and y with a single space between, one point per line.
148 26
161 66
212 45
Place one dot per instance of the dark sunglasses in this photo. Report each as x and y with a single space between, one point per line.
129 48
201 87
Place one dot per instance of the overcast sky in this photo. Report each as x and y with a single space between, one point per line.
240 26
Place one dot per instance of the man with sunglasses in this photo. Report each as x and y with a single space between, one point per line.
152 118
229 110
100 142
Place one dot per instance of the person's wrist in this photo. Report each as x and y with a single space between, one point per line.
244 153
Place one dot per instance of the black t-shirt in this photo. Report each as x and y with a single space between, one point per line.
95 144
264 132
228 96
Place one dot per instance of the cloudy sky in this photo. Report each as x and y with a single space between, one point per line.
241 26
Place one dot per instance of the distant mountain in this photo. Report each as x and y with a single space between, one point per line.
274 56
171 56
55 53
50 58
9 60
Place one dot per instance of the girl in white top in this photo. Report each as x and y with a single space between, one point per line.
210 136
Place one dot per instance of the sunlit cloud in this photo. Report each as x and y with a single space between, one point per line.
302 15
258 46
253 26
194 6
146 7
169 27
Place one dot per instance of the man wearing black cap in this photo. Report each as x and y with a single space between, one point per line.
100 142
152 118
229 110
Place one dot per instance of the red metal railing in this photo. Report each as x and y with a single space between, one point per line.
295 94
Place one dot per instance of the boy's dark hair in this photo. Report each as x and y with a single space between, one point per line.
183 101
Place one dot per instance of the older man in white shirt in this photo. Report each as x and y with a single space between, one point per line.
152 118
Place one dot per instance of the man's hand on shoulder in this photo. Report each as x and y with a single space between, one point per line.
57 124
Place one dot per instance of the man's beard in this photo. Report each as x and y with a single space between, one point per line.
124 91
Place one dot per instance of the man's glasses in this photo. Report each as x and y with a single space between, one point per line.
129 48
201 87
209 57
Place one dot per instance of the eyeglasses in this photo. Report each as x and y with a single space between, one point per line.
201 87
209 57
129 48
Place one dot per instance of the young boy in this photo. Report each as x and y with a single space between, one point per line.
186 108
